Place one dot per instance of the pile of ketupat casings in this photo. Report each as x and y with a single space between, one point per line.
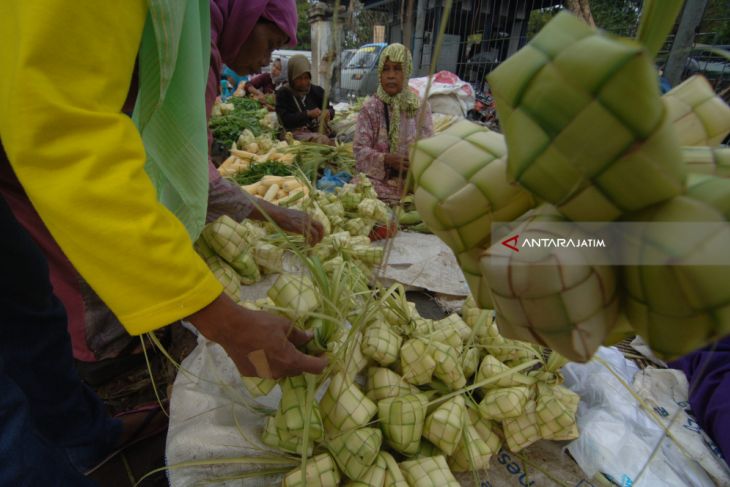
408 401
589 141
238 253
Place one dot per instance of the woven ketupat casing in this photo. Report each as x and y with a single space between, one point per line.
471 453
461 186
556 412
355 451
522 431
402 421
444 426
381 343
563 298
289 418
707 160
429 472
699 115
678 307
384 383
501 404
321 471
344 406
393 475
375 475
592 138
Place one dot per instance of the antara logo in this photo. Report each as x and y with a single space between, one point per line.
511 243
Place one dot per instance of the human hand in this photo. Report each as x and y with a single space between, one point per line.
299 222
259 343
314 113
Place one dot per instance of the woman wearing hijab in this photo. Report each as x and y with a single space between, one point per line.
299 105
265 83
387 125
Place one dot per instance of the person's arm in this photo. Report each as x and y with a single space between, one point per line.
368 159
81 162
286 109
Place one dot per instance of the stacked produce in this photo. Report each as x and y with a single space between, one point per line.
228 120
409 399
596 143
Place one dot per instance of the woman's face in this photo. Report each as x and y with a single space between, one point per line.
255 53
302 83
391 79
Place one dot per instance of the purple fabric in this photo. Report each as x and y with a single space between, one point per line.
708 373
231 22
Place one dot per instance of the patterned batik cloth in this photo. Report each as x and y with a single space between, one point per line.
371 145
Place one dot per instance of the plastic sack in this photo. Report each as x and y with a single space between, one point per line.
329 181
617 437
445 84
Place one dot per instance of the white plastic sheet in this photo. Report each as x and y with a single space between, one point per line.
620 439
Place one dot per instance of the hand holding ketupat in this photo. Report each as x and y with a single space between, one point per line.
245 334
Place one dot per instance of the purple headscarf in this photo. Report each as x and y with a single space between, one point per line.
231 22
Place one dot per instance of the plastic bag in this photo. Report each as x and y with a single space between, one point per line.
329 181
617 437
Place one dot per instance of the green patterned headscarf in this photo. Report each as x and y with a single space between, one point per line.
403 101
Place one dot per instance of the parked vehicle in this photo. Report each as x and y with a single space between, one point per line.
360 74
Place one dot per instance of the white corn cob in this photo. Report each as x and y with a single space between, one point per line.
444 426
429 472
344 406
383 383
402 421
356 450
417 363
258 386
501 404
321 471
523 430
381 343
294 293
699 116
491 367
374 476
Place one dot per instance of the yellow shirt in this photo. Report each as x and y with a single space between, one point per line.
65 69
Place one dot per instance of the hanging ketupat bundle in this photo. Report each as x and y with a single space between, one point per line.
561 297
583 135
699 116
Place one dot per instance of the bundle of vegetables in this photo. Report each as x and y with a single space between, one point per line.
230 119
281 190
441 397
312 157
597 142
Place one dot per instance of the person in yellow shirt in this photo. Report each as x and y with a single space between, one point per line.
82 164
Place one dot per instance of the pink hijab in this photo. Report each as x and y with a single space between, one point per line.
231 22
